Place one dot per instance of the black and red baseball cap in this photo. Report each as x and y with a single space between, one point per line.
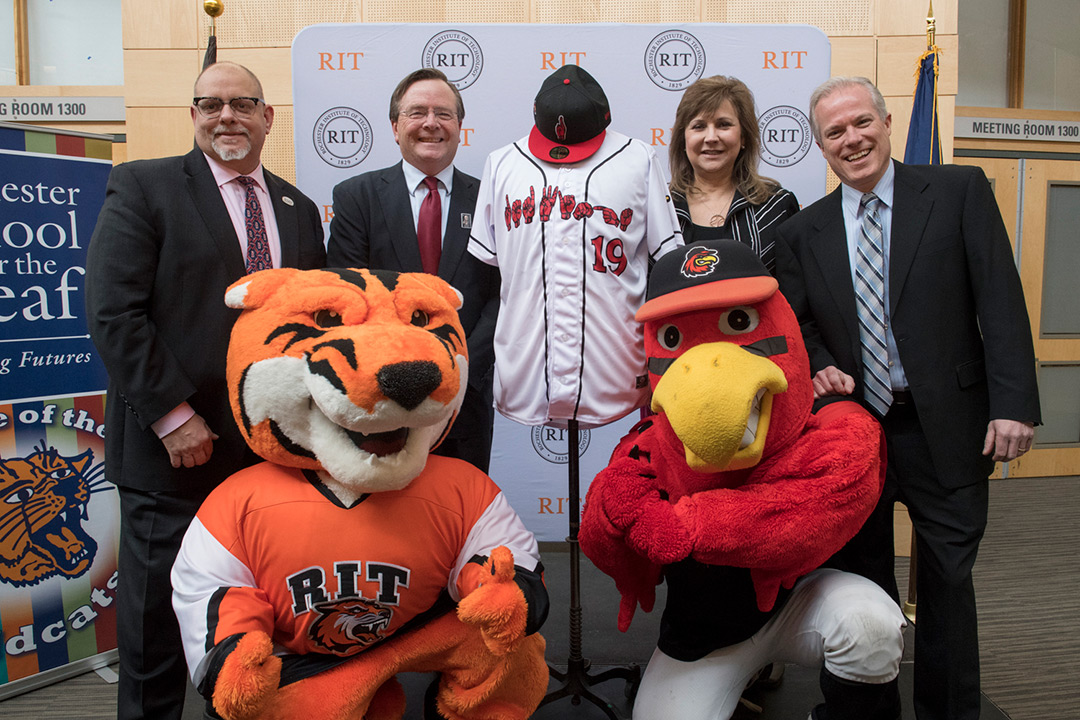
571 114
710 274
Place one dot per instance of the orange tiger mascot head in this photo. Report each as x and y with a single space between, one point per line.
356 373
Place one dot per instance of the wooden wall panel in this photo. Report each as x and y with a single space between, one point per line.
834 17
908 17
677 11
160 78
854 56
161 24
156 132
897 63
273 67
456 11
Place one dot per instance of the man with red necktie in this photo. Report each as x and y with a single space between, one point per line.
415 216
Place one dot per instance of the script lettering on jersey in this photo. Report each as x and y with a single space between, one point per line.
308 587
608 251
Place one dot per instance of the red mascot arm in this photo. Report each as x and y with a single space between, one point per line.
629 529
798 507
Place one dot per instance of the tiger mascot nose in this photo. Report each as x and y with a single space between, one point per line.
409 383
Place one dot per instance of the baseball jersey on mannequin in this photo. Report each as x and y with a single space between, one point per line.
573 238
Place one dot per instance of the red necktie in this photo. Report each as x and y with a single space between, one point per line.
429 228
258 247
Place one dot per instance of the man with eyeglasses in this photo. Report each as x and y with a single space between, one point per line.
415 216
172 235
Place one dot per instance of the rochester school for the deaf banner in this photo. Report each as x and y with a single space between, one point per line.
344 74
58 519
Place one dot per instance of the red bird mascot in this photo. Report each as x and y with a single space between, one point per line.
306 583
735 493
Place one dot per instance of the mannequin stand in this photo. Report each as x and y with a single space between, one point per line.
576 681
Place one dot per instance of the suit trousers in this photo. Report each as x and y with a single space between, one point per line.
948 524
153 673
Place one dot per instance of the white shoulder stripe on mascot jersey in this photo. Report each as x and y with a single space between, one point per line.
498 525
202 568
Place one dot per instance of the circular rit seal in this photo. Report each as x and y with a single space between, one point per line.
457 54
674 60
550 443
342 137
785 136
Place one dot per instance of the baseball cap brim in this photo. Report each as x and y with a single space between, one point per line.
721 293
550 151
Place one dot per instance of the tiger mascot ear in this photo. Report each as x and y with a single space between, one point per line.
356 373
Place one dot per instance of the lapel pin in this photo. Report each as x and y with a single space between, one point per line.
466 220
287 200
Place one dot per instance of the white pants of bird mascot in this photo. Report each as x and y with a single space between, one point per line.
840 622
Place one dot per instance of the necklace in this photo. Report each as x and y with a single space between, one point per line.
716 216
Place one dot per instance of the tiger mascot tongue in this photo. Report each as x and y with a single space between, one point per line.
307 582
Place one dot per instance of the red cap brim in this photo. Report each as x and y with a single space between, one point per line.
722 293
554 152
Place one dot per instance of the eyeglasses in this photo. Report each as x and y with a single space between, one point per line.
418 114
210 107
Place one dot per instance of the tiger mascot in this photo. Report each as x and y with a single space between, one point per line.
307 582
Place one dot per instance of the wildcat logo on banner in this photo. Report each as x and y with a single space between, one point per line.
59 520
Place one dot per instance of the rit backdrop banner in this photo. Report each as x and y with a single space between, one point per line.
344 74
59 521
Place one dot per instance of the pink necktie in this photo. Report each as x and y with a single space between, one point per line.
258 247
429 228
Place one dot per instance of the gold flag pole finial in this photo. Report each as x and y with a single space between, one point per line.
930 30
213 8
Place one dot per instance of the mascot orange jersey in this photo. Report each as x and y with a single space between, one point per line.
369 569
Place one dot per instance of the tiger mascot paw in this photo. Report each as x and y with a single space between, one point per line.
497 608
248 678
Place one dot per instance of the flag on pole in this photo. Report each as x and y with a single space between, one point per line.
924 138
211 52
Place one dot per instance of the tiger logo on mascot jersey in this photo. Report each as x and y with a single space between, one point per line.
310 390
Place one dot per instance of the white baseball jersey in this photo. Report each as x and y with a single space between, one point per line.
573 243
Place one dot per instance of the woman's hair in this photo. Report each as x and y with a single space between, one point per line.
705 97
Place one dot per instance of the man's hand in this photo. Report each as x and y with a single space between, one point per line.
1008 439
832 381
190 444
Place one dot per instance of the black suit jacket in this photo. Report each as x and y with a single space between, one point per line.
957 308
162 255
373 227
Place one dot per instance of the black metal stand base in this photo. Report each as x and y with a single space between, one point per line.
576 681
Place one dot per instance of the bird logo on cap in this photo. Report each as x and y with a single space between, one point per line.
700 262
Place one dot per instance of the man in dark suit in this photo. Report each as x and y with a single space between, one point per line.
172 235
379 223
947 365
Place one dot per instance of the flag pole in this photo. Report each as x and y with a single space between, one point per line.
213 8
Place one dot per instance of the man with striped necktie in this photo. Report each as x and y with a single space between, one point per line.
904 284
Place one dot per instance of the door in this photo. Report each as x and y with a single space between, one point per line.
1040 203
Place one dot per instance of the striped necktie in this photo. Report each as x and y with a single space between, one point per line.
870 305
258 246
